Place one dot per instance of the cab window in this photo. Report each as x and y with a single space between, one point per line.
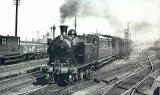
3 39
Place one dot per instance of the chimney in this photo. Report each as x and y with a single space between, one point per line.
63 29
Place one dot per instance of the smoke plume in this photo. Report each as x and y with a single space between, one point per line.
85 8
113 15
69 9
142 26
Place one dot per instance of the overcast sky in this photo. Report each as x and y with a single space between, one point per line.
105 16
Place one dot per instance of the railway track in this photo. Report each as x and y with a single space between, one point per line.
14 83
44 90
38 90
91 82
134 88
129 82
55 90
21 68
41 89
23 65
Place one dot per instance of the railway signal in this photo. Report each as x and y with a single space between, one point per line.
17 2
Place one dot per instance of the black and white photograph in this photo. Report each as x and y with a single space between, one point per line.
79 47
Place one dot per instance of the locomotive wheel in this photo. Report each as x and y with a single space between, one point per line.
87 75
81 75
89 72
96 67
70 79
93 68
47 77
76 79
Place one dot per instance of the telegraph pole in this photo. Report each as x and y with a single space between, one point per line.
16 17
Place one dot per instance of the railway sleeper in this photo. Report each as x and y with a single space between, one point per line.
20 73
110 81
34 69
10 76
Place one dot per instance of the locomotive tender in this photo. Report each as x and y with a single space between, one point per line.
73 57
13 50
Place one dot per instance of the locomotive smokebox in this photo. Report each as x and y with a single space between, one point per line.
63 29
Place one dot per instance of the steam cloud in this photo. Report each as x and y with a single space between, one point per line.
69 9
143 14
142 26
85 8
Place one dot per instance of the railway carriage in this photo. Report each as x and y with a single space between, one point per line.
74 57
9 48
13 50
9 45
33 50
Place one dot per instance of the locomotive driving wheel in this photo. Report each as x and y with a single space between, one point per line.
76 78
87 74
70 79
81 74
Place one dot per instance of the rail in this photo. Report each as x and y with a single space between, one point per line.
133 88
106 89
5 86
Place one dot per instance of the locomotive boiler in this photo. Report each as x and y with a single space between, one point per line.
73 57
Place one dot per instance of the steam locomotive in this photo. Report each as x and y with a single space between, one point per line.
73 57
